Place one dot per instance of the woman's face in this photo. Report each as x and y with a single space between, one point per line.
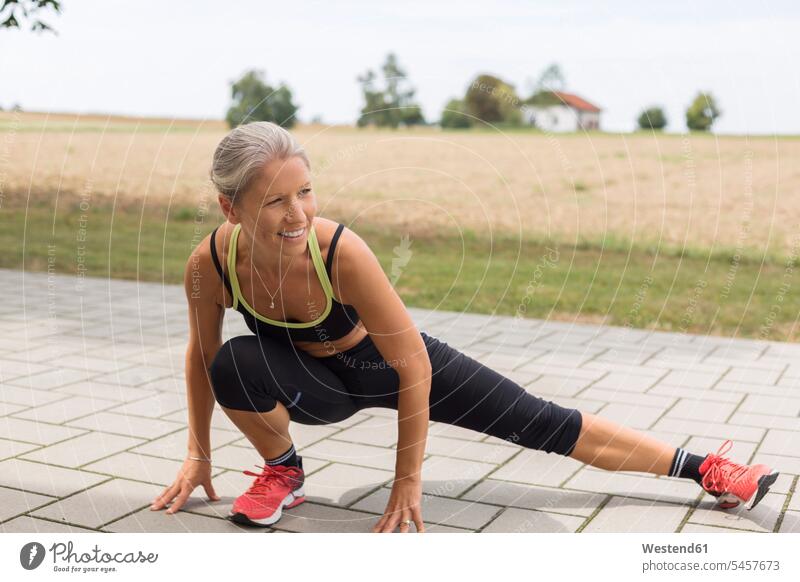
278 203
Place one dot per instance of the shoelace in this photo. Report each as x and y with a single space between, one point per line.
722 469
265 481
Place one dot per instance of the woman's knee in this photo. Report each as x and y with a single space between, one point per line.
230 375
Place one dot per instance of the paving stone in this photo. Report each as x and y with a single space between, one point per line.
99 505
753 374
53 379
91 363
531 497
715 395
781 442
113 392
783 484
35 432
710 429
791 522
135 376
563 371
82 449
450 477
582 404
470 450
691 379
564 359
622 382
514 520
134 426
557 386
624 397
762 518
353 454
65 410
508 362
632 415
697 528
630 355
138 468
621 371
780 463
27 524
44 479
454 432
26 396
219 419
701 410
379 432
436 510
11 369
313 517
146 521
622 515
650 489
175 445
741 390
14 448
538 468
153 406
777 405
13 502
342 484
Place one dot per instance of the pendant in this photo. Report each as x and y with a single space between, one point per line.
272 305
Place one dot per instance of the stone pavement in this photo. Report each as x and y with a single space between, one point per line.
93 412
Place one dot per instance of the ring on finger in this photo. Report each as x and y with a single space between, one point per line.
407 522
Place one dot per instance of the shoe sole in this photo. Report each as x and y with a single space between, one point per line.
294 499
764 483
729 501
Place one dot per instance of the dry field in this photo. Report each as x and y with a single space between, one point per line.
700 191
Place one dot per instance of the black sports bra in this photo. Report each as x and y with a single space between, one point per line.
335 321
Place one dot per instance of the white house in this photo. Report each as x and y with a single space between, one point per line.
568 112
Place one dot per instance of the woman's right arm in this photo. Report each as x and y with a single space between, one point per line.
202 286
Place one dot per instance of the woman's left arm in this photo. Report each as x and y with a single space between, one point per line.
397 338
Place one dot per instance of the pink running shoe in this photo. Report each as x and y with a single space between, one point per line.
275 488
732 483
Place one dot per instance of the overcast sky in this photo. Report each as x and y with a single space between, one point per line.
177 58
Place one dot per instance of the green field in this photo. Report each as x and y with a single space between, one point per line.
639 287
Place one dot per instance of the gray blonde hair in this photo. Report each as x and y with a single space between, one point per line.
245 150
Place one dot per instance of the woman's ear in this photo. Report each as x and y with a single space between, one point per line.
228 209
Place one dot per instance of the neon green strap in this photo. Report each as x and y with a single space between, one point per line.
319 267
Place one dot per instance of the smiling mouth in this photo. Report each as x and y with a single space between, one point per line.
290 234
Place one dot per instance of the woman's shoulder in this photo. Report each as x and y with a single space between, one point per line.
350 254
202 277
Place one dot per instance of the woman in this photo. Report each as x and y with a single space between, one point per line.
331 337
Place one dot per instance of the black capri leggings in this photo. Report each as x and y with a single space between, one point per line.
254 373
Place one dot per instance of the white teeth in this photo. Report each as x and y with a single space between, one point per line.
293 233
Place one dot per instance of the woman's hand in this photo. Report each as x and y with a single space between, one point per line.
404 503
192 474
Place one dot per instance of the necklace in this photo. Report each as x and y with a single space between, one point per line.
272 295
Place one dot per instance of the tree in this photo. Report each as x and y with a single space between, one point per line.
551 79
11 11
392 104
702 113
493 100
455 115
652 118
254 100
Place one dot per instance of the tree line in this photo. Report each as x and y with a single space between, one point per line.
388 101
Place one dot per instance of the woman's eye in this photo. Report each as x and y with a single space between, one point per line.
305 191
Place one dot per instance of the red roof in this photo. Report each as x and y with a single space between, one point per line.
576 102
